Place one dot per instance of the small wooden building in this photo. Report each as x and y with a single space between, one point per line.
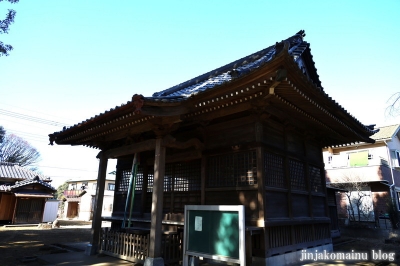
249 133
23 195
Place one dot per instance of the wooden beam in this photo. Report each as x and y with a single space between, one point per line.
170 142
146 145
164 110
167 141
178 157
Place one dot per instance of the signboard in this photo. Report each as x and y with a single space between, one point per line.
214 232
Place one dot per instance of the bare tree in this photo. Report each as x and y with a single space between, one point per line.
14 149
394 105
359 208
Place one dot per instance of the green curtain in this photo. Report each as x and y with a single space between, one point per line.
358 158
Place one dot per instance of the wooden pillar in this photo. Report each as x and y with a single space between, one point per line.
96 222
157 207
15 210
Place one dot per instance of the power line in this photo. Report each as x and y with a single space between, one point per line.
35 111
21 123
65 168
27 134
31 118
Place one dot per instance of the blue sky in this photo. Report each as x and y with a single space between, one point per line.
75 59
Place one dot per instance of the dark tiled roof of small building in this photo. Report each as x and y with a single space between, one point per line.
14 171
386 132
35 180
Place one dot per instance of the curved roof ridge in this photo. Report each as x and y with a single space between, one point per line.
231 70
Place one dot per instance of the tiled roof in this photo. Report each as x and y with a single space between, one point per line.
35 180
14 171
297 48
386 132
224 74
233 70
5 187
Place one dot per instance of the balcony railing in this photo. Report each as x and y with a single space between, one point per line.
342 161
74 193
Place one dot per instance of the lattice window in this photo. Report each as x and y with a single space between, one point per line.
187 176
274 174
123 177
297 177
236 169
139 178
315 179
169 177
183 176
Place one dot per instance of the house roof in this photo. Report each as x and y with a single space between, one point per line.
5 188
235 83
31 181
14 171
386 132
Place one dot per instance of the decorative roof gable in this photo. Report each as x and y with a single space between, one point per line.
32 181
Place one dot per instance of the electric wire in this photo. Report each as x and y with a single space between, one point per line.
31 118
65 168
63 118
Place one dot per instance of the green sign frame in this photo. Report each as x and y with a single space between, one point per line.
214 231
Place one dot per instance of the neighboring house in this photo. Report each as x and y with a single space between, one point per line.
370 172
24 196
249 133
80 196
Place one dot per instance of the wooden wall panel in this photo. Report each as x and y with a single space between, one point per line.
319 207
276 205
231 133
7 204
239 197
314 152
274 136
300 206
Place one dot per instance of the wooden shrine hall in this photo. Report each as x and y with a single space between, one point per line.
248 133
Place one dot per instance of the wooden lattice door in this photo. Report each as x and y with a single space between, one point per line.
29 211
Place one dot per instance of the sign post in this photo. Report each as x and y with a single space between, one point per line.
214 231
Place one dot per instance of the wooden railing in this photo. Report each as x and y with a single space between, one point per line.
288 238
133 245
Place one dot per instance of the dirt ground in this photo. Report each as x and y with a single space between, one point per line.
19 243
